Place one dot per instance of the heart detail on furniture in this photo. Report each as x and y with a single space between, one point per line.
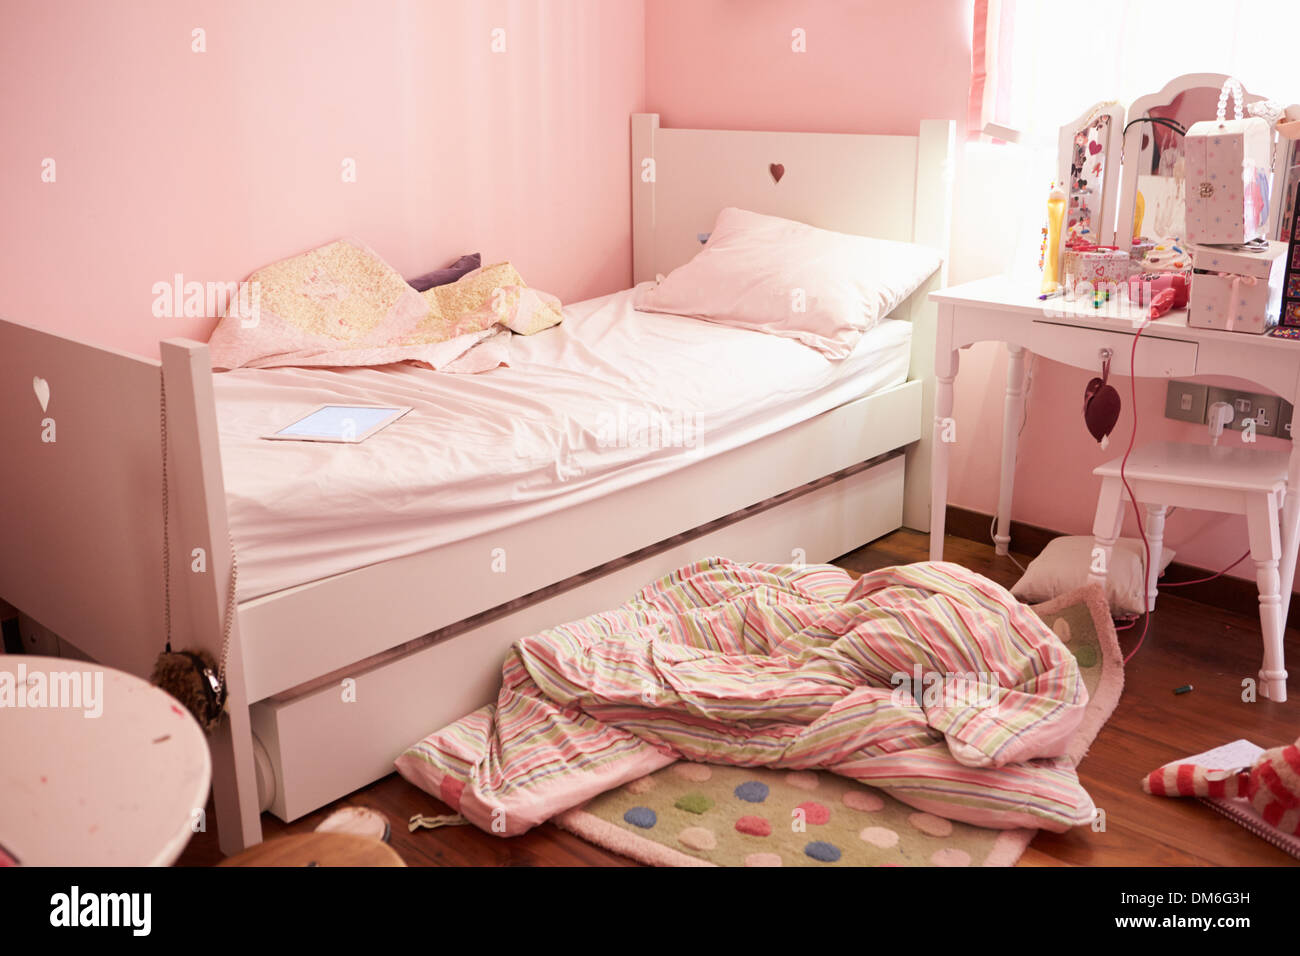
42 390
777 170
1094 148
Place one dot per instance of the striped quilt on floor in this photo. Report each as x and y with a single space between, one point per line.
927 680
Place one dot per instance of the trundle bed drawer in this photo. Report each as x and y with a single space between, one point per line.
337 737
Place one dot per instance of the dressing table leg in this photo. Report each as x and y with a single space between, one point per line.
1155 529
1290 521
1266 549
1013 411
946 362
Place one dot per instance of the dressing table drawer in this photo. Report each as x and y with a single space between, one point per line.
1073 345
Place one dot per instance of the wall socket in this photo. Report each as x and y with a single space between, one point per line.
1189 402
1186 402
1248 406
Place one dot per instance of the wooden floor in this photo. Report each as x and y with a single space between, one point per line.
1187 643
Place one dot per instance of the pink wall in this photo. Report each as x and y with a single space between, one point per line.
212 164
871 65
879 66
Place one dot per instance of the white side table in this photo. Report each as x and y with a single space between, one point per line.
117 789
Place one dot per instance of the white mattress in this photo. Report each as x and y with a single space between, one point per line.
480 452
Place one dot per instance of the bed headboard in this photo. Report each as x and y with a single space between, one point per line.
889 187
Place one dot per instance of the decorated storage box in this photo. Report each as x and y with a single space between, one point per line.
1228 176
1236 289
1088 268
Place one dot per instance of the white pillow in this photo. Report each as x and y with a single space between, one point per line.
1064 564
821 288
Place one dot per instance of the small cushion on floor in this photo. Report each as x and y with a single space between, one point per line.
1064 565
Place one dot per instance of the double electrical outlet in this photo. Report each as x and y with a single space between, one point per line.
1189 402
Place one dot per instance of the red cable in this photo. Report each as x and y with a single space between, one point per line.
1137 514
1217 574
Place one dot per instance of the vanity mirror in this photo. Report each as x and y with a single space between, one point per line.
1088 169
1087 176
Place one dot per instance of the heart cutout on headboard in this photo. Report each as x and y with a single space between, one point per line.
777 170
42 389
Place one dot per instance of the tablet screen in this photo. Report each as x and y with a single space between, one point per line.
341 423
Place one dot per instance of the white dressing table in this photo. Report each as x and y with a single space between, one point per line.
1075 333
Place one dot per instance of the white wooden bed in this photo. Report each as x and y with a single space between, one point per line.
421 637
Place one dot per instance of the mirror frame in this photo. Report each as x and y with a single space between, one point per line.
1104 223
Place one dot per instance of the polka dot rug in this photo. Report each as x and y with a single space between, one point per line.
692 814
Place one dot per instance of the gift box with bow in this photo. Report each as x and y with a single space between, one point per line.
1239 290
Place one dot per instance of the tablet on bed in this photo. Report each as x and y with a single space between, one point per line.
341 423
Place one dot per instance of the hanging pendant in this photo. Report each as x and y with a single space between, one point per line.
192 678
1101 405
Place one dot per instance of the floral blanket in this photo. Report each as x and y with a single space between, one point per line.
342 305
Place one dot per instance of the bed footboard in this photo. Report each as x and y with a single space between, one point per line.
80 494
81 518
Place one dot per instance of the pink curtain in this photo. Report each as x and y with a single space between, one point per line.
990 81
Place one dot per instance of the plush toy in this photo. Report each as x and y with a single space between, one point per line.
1272 785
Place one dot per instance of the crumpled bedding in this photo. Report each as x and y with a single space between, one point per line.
926 680
342 305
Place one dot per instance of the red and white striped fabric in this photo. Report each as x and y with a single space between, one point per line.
793 668
1189 780
1272 785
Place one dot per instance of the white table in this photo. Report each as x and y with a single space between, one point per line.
1075 333
119 789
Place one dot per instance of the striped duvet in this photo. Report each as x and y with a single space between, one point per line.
782 667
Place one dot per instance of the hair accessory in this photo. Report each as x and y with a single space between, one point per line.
1268 110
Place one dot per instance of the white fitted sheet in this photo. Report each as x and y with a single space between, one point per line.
481 452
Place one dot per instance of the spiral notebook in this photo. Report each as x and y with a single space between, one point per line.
1241 754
